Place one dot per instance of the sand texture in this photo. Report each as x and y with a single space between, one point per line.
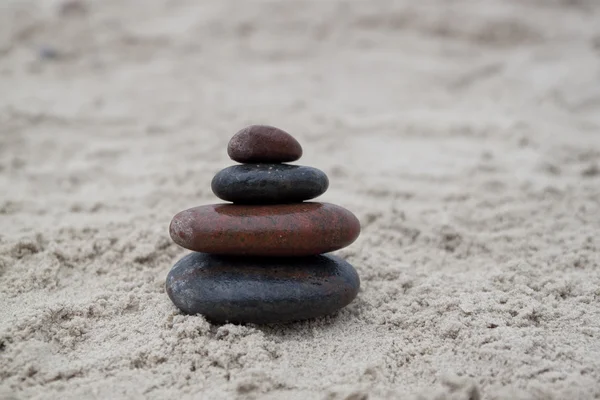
465 136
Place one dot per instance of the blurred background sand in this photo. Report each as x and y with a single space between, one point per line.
464 134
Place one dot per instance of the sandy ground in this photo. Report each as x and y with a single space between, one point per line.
465 135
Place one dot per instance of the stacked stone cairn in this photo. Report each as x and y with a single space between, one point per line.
261 259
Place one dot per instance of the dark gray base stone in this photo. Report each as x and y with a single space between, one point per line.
261 290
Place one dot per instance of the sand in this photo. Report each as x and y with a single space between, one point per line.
465 135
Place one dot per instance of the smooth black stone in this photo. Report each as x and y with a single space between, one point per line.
261 290
269 183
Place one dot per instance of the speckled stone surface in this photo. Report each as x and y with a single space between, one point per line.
263 144
261 290
300 229
269 183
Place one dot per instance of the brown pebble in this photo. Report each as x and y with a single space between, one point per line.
300 229
263 144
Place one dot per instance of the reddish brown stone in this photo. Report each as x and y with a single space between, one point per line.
300 229
263 144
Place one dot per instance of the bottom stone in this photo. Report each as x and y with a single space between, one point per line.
261 290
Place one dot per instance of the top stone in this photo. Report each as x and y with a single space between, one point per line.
263 144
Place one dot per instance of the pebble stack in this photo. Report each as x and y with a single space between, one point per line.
261 259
